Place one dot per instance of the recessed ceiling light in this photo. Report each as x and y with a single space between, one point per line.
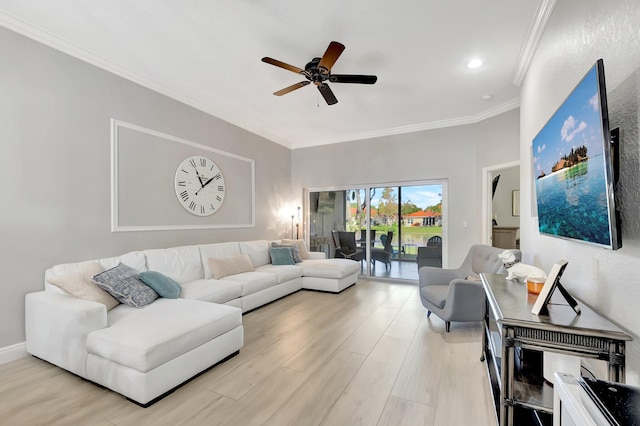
474 63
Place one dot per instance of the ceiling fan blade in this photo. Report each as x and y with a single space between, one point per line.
291 88
353 78
327 94
330 57
281 64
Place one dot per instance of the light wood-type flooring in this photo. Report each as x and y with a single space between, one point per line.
367 356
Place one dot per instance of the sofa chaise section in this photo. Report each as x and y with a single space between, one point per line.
148 353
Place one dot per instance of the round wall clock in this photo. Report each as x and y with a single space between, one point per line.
199 185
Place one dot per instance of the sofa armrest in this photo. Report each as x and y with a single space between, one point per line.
57 326
317 255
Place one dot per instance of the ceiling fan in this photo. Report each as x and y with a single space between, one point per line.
318 72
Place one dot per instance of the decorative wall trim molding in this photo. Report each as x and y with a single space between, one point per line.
13 352
117 226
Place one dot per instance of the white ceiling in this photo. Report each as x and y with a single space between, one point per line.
207 54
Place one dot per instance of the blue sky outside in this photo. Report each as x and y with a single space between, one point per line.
577 122
422 196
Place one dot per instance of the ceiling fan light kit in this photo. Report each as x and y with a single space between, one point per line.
318 72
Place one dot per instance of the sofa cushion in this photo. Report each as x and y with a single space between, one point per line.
210 290
302 247
283 273
208 251
123 283
180 263
330 268
257 250
162 331
161 284
281 256
79 283
134 259
225 266
252 282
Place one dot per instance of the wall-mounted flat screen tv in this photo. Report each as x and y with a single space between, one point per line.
574 182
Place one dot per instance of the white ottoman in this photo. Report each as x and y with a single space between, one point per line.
333 275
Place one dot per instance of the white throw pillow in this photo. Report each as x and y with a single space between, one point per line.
225 266
80 284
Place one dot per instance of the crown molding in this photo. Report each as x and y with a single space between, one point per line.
502 108
534 35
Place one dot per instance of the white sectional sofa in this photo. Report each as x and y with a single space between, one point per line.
145 353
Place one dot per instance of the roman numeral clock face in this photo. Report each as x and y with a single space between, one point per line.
199 186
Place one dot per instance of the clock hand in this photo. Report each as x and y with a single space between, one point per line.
207 183
199 178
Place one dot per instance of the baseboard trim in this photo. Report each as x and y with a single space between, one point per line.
13 352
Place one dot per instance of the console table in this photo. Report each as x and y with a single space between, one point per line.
514 339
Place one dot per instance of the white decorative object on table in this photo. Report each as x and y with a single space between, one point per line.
519 270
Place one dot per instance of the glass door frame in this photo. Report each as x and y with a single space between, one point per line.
367 189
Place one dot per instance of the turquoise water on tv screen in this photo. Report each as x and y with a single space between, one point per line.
572 202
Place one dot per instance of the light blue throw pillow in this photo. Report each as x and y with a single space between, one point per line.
162 284
281 256
294 251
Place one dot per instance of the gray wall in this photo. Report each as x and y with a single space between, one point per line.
457 154
580 32
55 116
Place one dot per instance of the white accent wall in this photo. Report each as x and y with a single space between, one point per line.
578 33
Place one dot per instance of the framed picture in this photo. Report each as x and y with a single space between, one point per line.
515 202
553 279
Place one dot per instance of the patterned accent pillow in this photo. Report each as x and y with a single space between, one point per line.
79 284
123 283
294 250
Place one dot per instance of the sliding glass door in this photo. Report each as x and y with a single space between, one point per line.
389 223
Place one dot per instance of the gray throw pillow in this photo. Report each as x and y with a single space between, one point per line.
123 283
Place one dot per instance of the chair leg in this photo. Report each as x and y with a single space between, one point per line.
447 326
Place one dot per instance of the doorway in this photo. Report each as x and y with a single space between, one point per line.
501 205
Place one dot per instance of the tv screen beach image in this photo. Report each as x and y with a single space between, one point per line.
570 167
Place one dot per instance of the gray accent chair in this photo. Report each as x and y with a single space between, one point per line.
450 295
